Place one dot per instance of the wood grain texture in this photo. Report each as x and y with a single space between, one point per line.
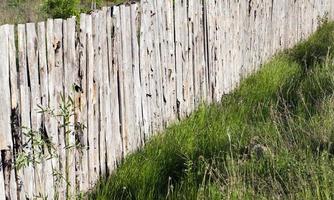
5 133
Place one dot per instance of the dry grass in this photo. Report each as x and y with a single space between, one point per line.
24 11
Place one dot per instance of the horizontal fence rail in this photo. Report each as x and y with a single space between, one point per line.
78 95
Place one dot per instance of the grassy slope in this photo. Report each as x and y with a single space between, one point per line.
271 138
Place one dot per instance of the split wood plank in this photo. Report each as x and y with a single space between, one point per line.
115 53
55 92
145 66
96 88
104 90
135 25
6 144
47 178
15 111
26 178
92 111
126 83
71 71
5 133
82 112
58 44
32 62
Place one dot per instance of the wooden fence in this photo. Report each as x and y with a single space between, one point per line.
78 95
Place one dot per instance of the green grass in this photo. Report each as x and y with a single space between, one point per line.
272 138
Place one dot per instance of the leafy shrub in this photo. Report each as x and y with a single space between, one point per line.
61 8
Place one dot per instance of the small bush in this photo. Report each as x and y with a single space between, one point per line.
61 8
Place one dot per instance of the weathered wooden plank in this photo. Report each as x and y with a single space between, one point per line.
157 70
71 71
180 55
97 94
198 52
5 134
145 66
92 106
55 91
115 55
104 90
82 112
110 152
5 124
15 113
135 20
126 83
58 73
32 62
26 178
189 65
170 73
47 178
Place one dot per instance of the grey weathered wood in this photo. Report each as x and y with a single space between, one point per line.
135 25
5 99
180 57
96 86
27 177
58 45
145 66
110 152
5 134
104 90
156 80
115 58
82 112
92 111
32 62
15 101
52 46
127 84
44 81
70 70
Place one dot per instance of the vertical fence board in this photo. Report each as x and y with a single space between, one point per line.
145 66
27 178
179 54
15 111
114 58
5 134
92 105
135 20
52 46
126 81
46 125
58 44
82 112
71 71
156 80
109 133
6 144
32 62
96 72
105 109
